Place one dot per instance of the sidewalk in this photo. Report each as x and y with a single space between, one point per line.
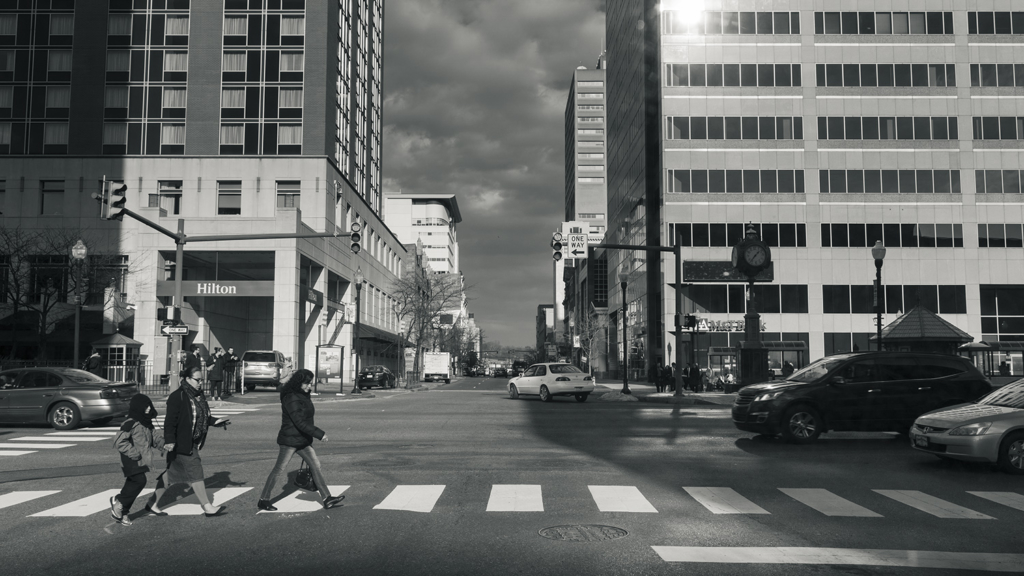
645 392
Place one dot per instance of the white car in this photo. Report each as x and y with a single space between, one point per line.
552 379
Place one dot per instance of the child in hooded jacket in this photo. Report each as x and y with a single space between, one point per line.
136 444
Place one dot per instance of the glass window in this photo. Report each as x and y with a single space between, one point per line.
234 25
883 23
293 25
55 133
748 24
290 98
173 134
119 24
118 60
290 134
917 23
59 61
177 26
174 98
62 24
229 198
291 62
233 62
58 96
900 23
175 61
232 98
731 74
732 128
169 197
232 134
52 192
6 60
115 133
288 194
115 97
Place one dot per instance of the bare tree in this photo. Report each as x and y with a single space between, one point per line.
592 330
420 300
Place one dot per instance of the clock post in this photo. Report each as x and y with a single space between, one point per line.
751 256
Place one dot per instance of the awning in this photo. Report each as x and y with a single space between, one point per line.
383 336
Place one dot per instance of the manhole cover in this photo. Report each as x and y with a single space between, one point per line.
583 533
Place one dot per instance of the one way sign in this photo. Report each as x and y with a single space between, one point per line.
577 246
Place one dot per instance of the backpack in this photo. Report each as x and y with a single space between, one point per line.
124 433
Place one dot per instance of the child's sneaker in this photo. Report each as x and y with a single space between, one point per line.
124 520
116 509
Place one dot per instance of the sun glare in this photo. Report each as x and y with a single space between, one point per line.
686 11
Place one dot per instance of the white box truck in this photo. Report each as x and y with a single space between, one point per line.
437 366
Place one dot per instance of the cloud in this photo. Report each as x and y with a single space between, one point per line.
474 103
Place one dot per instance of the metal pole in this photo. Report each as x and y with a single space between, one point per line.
355 338
78 309
178 341
625 346
878 300
678 373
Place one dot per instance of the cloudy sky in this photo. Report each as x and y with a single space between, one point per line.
474 97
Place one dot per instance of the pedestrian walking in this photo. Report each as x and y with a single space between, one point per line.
185 427
94 363
216 373
296 437
694 376
787 368
705 381
666 378
136 443
655 376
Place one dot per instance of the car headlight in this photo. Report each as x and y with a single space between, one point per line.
768 396
976 429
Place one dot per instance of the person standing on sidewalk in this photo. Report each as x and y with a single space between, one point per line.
216 373
233 382
296 436
136 443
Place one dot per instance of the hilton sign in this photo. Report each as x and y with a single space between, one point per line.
216 289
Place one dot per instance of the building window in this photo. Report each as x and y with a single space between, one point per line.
234 62
118 60
55 133
229 198
115 133
290 134
889 181
52 192
893 235
883 23
234 26
119 25
58 96
168 197
62 25
232 134
174 97
58 61
177 26
702 181
590 96
175 61
995 22
290 98
589 84
6 60
886 75
172 139
590 180
8 24
232 98
291 62
783 75
115 97
292 25
288 194
5 133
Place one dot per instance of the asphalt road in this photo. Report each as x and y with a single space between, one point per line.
683 491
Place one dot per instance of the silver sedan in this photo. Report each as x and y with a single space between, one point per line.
63 397
989 430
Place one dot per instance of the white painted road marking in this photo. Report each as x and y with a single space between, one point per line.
19 445
932 505
76 433
849 556
302 501
828 503
86 506
16 452
59 439
1011 499
14 498
620 499
515 498
413 498
724 501
219 497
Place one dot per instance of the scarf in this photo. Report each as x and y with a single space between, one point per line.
200 410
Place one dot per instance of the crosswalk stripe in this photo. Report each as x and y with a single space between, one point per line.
302 501
828 503
724 501
79 433
218 413
418 498
85 506
1011 499
16 452
850 556
26 445
620 499
59 439
515 498
15 498
219 498
932 505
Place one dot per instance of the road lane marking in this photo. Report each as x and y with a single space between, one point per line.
219 497
724 501
224 413
1011 499
412 498
302 501
20 445
851 556
77 433
515 498
59 439
85 506
15 498
620 499
932 505
16 452
828 503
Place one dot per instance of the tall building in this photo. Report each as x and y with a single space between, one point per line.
431 219
233 117
828 131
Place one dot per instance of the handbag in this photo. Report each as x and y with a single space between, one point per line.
304 478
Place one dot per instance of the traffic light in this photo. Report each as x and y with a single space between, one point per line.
355 236
115 205
690 321
556 246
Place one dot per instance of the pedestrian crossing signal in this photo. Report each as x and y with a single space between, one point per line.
690 321
356 237
556 246
115 205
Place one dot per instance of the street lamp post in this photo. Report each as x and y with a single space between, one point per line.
79 252
878 253
625 344
355 335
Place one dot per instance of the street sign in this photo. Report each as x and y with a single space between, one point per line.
175 330
577 246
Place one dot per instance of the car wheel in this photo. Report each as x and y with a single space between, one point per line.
801 424
545 394
513 392
250 387
581 397
65 416
1011 453
102 421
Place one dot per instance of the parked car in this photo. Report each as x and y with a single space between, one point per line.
64 397
989 430
500 373
377 375
262 368
548 380
883 391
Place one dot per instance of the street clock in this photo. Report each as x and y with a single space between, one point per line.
751 255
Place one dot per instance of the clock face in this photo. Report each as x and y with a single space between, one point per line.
755 255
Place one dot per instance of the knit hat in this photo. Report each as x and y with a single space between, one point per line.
141 409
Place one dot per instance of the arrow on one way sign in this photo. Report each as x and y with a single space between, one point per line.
577 246
175 330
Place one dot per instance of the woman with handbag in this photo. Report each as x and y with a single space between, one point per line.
296 437
185 427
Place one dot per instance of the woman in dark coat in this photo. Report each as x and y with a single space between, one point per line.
136 447
296 436
185 427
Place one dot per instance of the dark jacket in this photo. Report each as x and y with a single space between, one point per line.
216 371
191 361
137 449
297 428
94 364
180 421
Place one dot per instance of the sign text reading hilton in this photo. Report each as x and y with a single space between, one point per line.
214 288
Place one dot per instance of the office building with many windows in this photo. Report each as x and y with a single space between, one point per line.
226 118
829 128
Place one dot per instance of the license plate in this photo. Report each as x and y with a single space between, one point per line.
921 441
579 387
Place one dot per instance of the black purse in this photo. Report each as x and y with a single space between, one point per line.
304 478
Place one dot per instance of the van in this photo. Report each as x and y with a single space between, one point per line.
262 368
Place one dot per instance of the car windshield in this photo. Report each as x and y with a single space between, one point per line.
816 370
1009 396
80 376
564 369
259 357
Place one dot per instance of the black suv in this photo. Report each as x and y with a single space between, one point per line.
371 376
879 391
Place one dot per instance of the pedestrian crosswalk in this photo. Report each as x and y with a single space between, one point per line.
525 498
